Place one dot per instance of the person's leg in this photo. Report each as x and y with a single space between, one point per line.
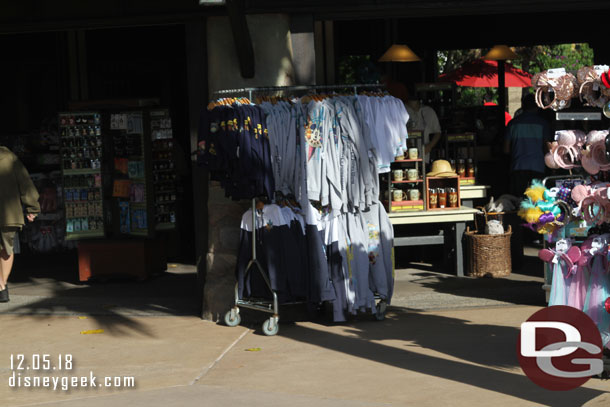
6 265
7 236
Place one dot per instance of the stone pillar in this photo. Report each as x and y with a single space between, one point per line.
197 94
303 49
272 45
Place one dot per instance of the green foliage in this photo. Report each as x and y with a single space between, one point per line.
353 69
467 96
531 59
569 56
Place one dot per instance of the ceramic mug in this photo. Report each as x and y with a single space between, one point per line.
400 157
398 175
398 195
414 195
413 153
412 174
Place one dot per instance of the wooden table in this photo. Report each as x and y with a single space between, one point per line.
452 220
468 193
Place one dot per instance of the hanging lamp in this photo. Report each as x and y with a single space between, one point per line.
500 53
399 53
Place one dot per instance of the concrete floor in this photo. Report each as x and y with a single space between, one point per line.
445 341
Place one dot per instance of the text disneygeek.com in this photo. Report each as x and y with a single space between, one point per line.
29 371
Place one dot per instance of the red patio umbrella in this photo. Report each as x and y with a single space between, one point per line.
481 73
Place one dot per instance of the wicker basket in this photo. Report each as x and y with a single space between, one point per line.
489 255
481 218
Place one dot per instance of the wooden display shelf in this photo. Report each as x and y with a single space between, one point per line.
408 203
82 171
85 234
407 181
468 136
409 161
443 182
447 208
467 180
405 206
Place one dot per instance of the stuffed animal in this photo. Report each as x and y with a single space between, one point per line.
494 227
541 210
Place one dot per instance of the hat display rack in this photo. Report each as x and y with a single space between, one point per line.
572 213
557 88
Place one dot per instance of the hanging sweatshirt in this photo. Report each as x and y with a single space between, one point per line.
314 141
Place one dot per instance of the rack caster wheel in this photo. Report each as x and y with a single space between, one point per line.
232 317
271 326
381 309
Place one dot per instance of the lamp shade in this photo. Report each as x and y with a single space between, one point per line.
399 53
500 53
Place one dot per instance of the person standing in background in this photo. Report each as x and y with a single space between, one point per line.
16 192
525 140
421 117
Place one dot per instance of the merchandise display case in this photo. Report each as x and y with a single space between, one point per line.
164 170
81 142
442 193
131 173
461 153
119 176
404 185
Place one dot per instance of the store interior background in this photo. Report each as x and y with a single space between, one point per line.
43 72
42 76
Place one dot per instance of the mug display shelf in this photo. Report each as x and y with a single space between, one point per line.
408 203
406 206
406 181
467 180
408 160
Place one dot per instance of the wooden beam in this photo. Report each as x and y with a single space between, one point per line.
197 75
241 37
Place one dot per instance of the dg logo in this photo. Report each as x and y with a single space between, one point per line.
560 348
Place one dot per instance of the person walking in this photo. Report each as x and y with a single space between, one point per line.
17 191
525 141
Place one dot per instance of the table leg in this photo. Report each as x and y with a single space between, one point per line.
459 255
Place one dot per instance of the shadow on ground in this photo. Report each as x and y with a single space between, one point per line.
486 353
54 289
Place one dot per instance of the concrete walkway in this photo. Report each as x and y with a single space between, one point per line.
445 341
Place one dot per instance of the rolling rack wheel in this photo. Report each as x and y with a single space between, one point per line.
271 326
232 317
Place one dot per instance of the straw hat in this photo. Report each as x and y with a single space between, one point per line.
441 168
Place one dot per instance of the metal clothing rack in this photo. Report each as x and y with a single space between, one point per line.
271 325
251 91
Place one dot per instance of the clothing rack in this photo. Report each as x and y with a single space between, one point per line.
251 91
271 325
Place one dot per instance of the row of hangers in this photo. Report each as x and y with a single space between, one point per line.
318 97
228 102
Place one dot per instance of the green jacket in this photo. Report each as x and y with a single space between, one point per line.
16 190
